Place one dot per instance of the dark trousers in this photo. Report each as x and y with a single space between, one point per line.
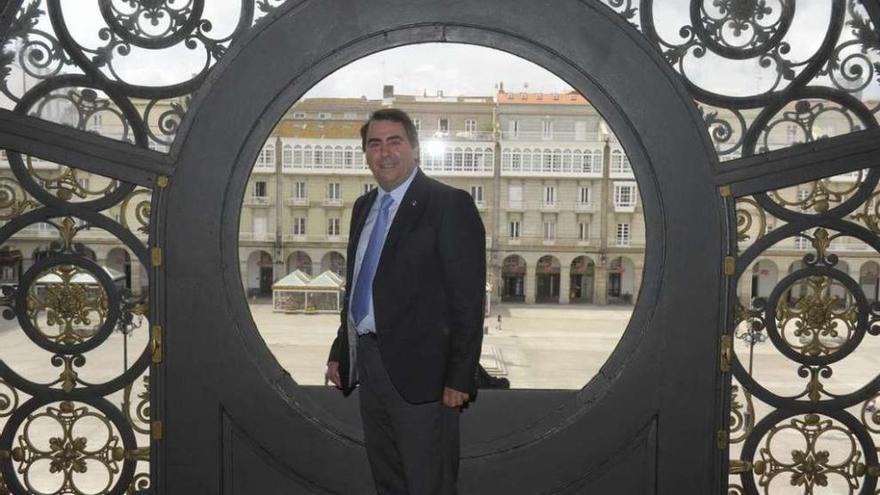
413 448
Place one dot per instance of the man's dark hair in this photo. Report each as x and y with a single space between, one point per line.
393 115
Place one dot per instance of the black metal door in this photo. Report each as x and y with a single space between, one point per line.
239 424
224 417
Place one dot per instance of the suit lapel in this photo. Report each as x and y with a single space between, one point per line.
408 212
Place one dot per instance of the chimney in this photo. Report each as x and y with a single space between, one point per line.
388 91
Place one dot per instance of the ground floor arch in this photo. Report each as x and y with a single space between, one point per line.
118 259
513 279
582 276
334 262
621 280
869 280
260 274
765 276
547 272
299 260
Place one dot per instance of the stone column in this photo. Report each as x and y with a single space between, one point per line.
565 284
531 285
600 286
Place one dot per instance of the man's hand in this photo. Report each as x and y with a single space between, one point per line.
454 398
332 373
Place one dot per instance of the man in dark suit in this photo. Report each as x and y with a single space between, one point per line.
412 319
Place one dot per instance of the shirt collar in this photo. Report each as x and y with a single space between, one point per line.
398 192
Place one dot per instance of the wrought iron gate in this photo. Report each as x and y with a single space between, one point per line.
203 407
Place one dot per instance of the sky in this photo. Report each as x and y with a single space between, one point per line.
451 68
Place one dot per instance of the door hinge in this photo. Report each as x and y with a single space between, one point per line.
156 256
156 430
729 265
726 353
724 191
722 439
156 343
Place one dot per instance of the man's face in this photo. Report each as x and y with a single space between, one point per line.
389 154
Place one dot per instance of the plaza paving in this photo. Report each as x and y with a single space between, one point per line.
535 346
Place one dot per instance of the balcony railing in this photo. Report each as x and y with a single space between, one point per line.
257 201
552 136
335 202
296 202
454 135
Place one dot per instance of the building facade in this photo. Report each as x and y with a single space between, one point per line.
554 188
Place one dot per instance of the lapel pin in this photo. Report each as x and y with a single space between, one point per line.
414 202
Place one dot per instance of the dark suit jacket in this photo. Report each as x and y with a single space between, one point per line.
428 292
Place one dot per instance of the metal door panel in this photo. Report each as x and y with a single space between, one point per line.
650 379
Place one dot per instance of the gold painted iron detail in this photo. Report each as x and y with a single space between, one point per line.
722 439
156 343
156 430
749 214
156 256
68 454
136 206
729 266
13 200
817 315
726 353
8 399
138 414
820 195
742 415
70 298
812 466
67 183
739 467
870 213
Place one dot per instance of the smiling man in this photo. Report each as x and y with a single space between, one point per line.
412 321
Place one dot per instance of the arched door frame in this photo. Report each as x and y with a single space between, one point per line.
634 428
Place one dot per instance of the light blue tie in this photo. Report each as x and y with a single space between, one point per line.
363 290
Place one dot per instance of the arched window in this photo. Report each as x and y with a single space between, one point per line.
468 160
319 156
616 162
338 159
267 157
488 160
349 157
527 160
516 160
577 161
447 160
547 161
287 157
308 157
459 158
297 156
566 161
